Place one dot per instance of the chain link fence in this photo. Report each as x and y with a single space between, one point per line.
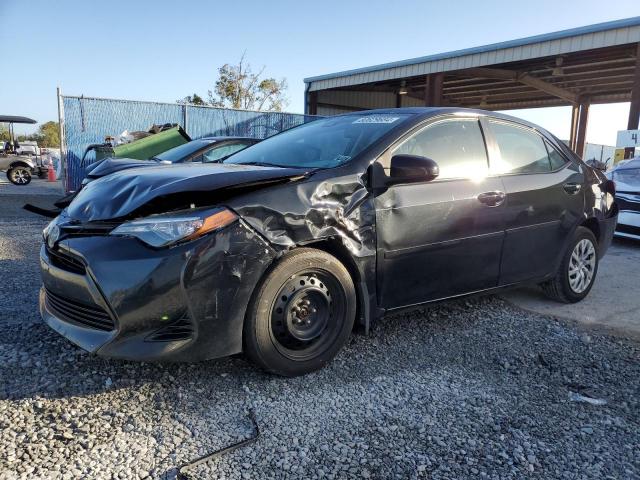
87 121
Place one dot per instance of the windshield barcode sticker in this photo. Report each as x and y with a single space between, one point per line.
377 119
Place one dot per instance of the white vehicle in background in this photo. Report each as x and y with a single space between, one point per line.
29 148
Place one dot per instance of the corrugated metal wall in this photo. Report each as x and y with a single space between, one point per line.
89 120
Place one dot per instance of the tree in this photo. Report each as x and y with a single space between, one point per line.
238 87
4 133
49 134
194 99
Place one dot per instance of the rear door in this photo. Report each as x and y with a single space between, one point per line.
544 199
440 238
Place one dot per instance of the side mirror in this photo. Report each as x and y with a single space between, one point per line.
412 169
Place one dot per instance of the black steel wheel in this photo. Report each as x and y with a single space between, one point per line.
19 175
301 314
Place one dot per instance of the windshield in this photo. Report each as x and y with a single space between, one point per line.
181 151
325 143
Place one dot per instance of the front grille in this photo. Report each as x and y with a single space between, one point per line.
181 329
65 261
91 316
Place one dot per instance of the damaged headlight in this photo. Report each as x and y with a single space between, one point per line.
167 229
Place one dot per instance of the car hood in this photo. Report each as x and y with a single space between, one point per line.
112 165
122 193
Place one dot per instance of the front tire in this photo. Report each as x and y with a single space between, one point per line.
301 314
578 269
19 175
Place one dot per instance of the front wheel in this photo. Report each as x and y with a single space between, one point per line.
578 270
19 175
301 314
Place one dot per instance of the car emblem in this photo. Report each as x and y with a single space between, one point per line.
54 235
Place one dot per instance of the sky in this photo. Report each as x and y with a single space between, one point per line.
163 50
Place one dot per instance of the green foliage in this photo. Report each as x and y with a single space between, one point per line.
48 135
238 87
194 99
4 133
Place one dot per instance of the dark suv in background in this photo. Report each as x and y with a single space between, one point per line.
278 250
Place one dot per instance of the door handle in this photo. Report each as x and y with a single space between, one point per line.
492 199
572 188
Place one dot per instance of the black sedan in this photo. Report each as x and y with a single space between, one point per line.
205 150
626 177
279 250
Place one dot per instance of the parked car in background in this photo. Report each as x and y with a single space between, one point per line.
278 250
626 176
205 150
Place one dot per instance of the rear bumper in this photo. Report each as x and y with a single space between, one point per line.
607 228
185 303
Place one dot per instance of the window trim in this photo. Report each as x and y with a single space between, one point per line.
496 155
385 157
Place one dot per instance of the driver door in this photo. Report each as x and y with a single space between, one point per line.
441 238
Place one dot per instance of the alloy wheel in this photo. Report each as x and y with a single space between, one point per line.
20 176
582 265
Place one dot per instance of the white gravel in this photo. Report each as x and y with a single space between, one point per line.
470 389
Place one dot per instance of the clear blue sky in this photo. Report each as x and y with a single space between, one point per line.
164 50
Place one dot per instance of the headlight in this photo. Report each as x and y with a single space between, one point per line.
164 230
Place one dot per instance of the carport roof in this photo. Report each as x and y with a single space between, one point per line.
601 35
15 119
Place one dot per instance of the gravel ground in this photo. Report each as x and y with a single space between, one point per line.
471 389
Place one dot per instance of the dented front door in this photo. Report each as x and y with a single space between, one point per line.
441 238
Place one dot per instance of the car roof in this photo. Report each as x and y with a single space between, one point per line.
426 112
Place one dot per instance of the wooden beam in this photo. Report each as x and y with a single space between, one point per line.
433 90
634 107
313 103
525 78
575 115
581 134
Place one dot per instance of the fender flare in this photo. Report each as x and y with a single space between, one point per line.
20 163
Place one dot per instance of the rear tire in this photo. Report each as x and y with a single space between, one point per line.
301 314
19 175
578 269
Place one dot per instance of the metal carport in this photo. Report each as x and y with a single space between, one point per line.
577 67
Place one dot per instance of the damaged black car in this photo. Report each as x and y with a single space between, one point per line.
278 251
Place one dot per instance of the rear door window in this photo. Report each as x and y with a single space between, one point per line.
556 159
217 153
522 150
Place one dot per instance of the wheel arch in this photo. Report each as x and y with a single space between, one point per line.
336 248
593 225
20 163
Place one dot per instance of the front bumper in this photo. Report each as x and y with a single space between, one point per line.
116 297
628 224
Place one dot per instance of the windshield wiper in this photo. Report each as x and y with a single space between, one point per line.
258 164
